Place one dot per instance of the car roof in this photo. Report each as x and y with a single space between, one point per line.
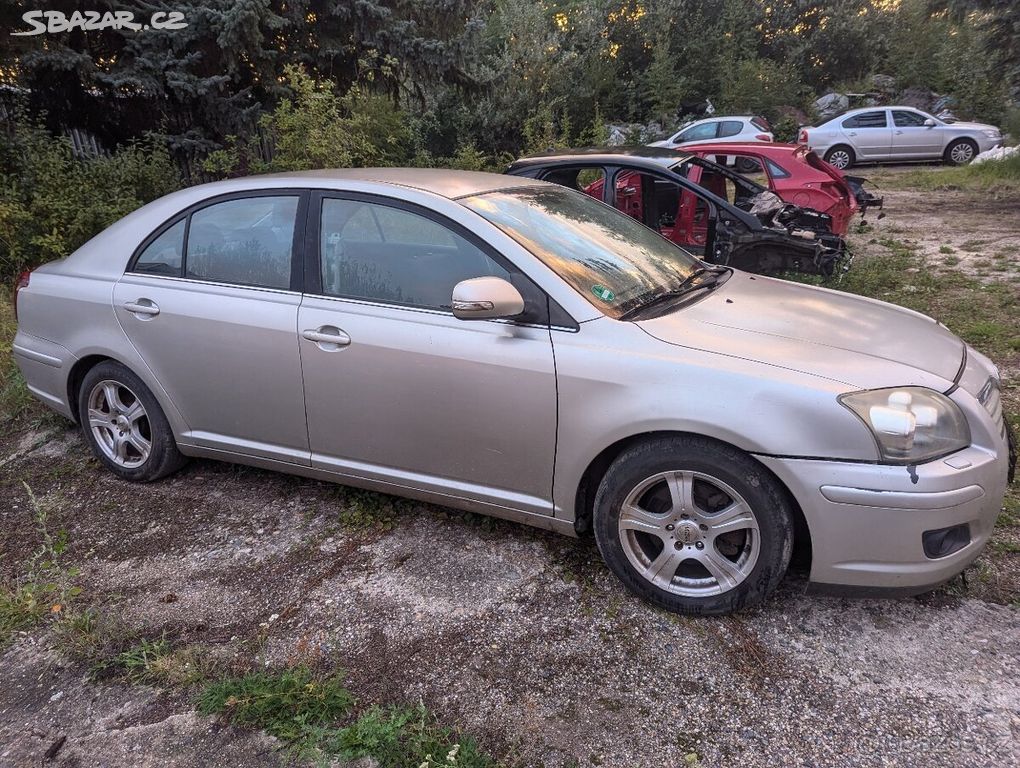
750 147
650 157
437 181
723 117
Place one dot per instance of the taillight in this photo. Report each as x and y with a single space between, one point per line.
23 279
763 137
802 137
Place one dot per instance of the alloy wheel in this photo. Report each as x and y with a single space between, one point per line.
689 533
962 153
840 159
119 424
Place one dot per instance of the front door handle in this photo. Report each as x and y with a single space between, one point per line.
328 337
142 307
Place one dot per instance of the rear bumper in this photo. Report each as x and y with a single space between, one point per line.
45 366
867 521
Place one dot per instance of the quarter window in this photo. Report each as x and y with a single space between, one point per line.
866 120
405 258
164 255
247 242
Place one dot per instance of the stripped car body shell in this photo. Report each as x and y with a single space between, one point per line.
777 237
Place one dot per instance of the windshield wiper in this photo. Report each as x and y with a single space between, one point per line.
688 285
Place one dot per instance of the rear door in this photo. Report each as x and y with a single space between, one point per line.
912 138
870 134
211 303
400 391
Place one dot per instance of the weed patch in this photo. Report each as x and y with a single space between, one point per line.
311 714
47 585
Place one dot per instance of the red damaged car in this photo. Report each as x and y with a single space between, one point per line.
796 174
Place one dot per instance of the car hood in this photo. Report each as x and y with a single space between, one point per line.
839 336
663 143
973 126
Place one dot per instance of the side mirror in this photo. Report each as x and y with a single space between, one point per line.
485 298
929 123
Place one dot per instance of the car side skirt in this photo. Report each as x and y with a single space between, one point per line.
546 522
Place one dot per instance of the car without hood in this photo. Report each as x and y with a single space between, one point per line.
723 217
514 348
797 175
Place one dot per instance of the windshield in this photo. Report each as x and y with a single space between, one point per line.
611 259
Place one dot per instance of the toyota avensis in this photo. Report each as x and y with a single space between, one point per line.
512 347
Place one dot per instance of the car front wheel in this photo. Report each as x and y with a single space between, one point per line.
693 525
960 152
124 425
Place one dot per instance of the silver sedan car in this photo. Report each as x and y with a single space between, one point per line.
515 348
883 134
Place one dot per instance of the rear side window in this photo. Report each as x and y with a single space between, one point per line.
866 120
730 128
165 254
247 242
761 124
406 259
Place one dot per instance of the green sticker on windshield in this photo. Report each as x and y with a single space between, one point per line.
603 293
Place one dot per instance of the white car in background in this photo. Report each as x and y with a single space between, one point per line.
877 134
715 130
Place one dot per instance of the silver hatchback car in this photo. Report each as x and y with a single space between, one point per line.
515 348
883 134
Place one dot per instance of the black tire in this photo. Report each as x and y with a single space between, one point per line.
747 165
960 147
761 492
835 151
163 456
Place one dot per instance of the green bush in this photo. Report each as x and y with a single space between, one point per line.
52 202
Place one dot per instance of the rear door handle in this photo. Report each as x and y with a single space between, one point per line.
142 307
328 337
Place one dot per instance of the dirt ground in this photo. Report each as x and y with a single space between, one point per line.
521 637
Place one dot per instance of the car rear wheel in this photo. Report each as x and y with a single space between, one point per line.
961 152
840 156
124 425
693 525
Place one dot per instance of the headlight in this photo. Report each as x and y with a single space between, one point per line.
992 133
910 424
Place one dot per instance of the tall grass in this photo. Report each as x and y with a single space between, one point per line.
992 176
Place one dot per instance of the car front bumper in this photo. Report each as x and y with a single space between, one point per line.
985 143
867 521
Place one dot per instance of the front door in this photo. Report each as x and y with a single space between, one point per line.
912 138
399 390
209 306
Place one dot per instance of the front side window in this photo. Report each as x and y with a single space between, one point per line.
699 132
730 128
904 119
379 253
611 259
165 254
246 241
866 120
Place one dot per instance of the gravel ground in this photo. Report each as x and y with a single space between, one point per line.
520 636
